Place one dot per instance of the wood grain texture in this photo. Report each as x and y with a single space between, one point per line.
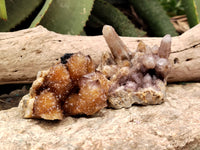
24 53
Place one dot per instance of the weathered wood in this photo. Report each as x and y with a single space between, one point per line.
24 53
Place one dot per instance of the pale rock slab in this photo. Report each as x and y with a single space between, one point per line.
175 124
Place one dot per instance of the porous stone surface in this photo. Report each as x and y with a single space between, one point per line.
175 124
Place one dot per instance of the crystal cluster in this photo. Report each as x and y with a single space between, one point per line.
123 78
137 77
72 87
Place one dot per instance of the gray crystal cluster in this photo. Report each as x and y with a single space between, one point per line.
137 77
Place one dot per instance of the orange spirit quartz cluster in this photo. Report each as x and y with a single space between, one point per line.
123 78
72 88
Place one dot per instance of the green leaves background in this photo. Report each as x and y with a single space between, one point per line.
82 17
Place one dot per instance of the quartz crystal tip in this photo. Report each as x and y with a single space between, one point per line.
165 47
116 45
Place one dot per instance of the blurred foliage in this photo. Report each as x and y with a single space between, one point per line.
117 2
173 7
109 14
155 16
87 17
192 9
3 13
18 10
41 14
65 16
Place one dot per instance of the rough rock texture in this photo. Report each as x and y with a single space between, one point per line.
174 124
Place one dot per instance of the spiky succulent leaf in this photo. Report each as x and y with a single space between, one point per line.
67 16
113 16
3 13
17 11
154 16
41 14
192 9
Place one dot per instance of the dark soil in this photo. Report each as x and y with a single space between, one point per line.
10 95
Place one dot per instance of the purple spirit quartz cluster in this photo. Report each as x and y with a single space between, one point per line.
137 77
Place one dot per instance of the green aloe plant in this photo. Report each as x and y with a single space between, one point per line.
192 9
109 14
18 10
64 16
41 14
154 16
3 13
70 16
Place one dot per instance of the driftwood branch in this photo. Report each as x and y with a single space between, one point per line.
24 53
